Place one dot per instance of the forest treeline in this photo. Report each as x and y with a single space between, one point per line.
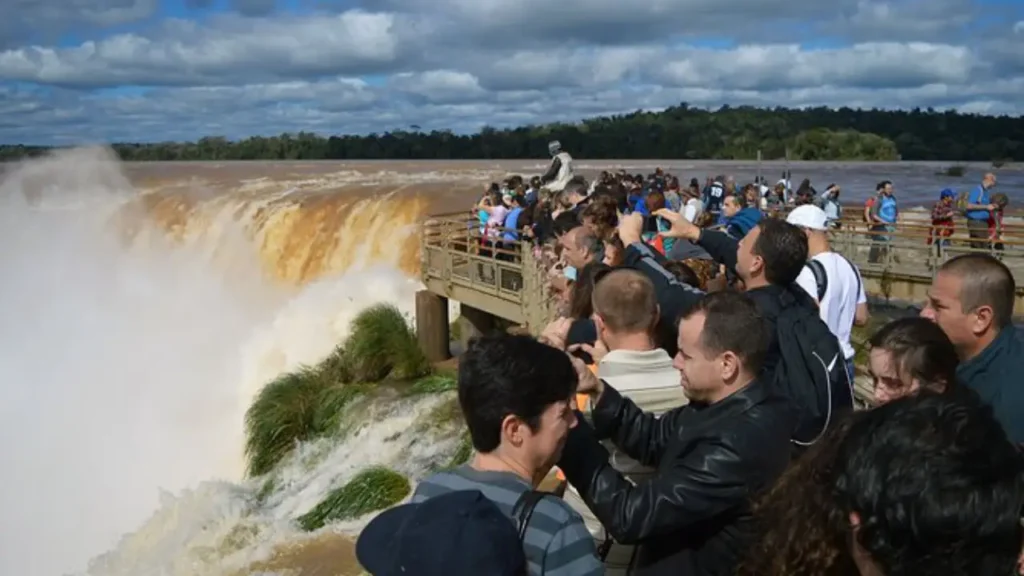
682 131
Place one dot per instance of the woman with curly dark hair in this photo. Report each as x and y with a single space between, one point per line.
926 485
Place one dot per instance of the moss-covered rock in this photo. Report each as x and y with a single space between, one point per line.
372 489
383 345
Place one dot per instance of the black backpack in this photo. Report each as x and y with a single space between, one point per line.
811 369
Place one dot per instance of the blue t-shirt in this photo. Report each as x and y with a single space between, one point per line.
511 222
978 196
887 209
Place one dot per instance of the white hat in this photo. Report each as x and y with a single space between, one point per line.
808 216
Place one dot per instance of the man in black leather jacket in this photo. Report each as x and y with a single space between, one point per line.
712 456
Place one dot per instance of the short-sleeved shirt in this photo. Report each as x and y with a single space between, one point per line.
978 196
557 542
844 292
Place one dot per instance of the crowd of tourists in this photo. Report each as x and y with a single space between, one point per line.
696 396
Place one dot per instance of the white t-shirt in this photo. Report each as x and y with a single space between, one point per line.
839 305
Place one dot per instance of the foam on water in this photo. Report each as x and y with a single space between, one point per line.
134 338
221 528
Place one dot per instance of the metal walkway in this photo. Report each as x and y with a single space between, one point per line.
509 284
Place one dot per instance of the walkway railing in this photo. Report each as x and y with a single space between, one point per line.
508 281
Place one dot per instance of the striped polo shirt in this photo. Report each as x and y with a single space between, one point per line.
557 542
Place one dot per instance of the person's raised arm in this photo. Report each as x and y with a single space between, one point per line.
673 296
719 245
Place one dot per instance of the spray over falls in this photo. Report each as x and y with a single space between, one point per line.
143 311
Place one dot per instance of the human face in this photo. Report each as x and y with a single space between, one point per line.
887 190
945 309
612 255
886 382
700 371
989 181
731 206
543 447
748 263
572 252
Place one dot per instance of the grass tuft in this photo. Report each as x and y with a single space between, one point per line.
372 489
433 384
383 345
295 407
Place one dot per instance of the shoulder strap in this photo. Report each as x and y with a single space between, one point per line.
820 277
523 510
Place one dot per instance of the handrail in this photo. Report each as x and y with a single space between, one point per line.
456 259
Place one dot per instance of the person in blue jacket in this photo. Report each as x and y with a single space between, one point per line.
738 219
978 211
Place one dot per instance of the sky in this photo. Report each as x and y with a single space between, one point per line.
94 71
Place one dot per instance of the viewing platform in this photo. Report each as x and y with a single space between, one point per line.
509 284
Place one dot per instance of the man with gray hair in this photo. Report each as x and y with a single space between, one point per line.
560 172
971 299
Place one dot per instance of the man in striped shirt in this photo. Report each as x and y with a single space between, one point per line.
515 394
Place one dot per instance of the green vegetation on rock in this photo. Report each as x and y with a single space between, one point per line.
287 411
370 490
310 402
383 345
464 451
433 384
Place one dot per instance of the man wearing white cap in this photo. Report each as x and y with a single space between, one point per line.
832 280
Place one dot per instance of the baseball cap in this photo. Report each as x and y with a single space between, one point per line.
808 216
452 534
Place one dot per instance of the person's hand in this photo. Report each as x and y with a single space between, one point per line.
589 383
597 350
631 229
555 333
720 281
992 207
681 227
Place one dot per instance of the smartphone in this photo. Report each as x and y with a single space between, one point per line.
650 224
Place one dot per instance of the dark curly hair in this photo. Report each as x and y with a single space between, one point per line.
937 486
802 531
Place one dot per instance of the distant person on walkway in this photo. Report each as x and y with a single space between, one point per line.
561 171
884 215
516 394
978 211
943 224
971 299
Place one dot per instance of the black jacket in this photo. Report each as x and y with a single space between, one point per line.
693 518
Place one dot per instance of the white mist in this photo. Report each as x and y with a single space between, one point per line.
125 369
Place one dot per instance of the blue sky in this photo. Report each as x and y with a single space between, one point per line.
89 71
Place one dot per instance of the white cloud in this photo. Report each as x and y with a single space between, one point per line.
460 64
229 48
